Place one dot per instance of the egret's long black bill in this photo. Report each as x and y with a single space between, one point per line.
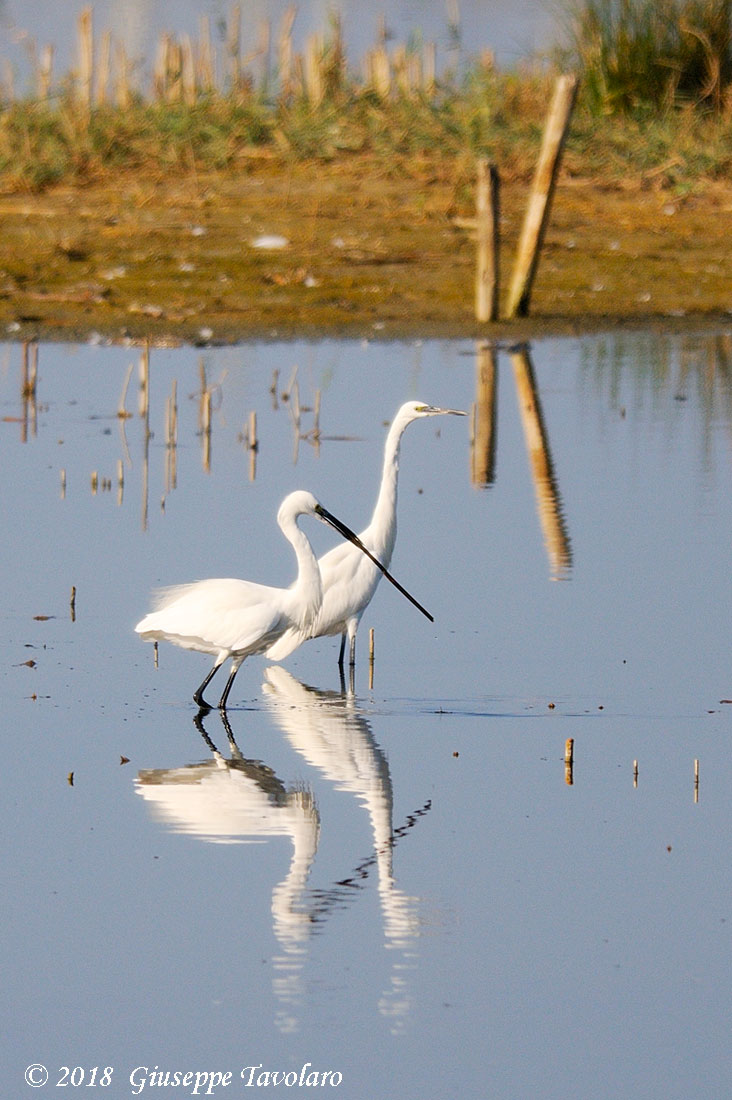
349 534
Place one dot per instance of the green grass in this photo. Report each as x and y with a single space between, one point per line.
652 55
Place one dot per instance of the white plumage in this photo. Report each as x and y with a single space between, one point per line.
349 579
230 618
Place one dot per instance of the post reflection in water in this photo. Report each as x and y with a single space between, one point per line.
483 451
548 498
239 800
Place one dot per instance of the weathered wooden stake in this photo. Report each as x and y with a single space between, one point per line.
206 76
86 59
487 226
103 68
540 199
284 51
122 92
188 71
233 46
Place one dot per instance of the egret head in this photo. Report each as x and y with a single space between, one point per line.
413 410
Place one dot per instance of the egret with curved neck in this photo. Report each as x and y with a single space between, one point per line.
349 579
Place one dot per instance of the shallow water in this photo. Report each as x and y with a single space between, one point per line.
196 897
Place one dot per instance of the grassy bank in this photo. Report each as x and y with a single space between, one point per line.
139 213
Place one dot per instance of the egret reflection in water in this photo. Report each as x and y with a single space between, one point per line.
329 731
237 800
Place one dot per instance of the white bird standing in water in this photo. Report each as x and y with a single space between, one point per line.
349 581
234 618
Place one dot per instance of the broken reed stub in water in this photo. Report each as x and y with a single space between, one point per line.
569 761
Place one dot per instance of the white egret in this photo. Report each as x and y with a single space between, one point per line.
232 618
349 581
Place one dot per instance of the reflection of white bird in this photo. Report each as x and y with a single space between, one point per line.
329 732
240 801
348 582
233 618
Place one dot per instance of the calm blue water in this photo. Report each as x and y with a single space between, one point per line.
201 898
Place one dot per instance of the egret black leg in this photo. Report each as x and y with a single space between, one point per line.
235 666
351 680
352 653
342 652
198 693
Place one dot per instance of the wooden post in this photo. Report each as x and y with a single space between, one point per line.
540 199
284 49
86 59
206 77
103 66
313 69
233 47
487 225
122 94
429 68
188 71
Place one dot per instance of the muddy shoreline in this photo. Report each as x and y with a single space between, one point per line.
363 253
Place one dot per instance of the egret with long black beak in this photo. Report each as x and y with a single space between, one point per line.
349 580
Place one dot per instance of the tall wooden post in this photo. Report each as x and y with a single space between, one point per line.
487 226
86 59
540 199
